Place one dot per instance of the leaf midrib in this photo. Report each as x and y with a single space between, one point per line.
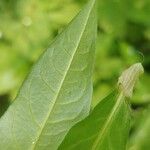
107 123
63 79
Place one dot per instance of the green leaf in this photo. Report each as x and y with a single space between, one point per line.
140 138
57 93
107 127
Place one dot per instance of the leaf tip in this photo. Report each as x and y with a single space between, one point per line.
128 78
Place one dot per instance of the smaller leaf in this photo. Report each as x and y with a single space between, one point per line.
107 127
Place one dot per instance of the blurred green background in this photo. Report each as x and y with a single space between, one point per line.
28 26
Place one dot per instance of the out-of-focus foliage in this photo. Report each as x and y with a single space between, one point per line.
27 27
140 138
124 35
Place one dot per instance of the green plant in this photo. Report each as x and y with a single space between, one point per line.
57 95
